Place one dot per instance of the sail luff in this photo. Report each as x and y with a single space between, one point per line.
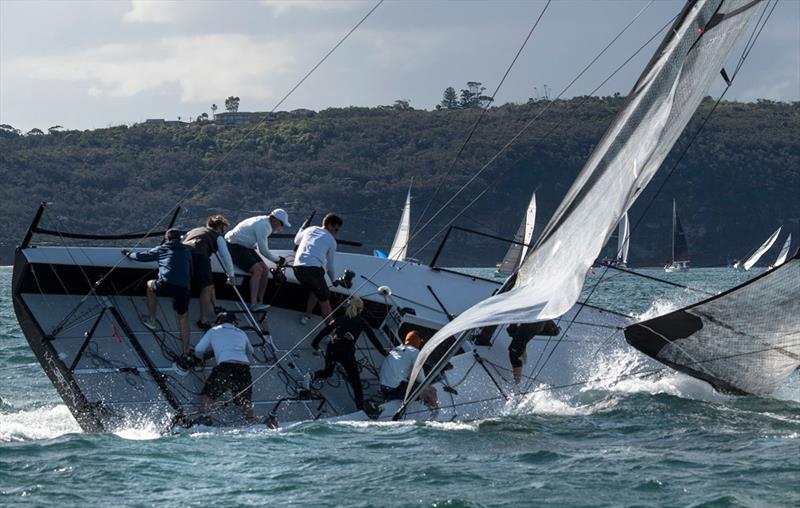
402 236
624 161
752 260
784 252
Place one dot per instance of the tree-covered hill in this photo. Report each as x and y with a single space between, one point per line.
737 183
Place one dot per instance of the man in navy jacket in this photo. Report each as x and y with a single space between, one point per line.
173 281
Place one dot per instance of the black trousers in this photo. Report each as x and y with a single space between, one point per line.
343 352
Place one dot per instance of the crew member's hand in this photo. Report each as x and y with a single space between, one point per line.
281 261
231 281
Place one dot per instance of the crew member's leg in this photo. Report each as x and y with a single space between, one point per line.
152 300
347 358
257 275
180 303
330 362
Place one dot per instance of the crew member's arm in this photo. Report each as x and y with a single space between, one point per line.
150 255
322 333
329 268
248 347
372 337
225 256
204 344
262 233
298 237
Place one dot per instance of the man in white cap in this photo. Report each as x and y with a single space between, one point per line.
243 240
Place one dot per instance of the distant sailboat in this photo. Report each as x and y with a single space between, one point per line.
623 242
680 249
784 253
753 259
402 236
516 252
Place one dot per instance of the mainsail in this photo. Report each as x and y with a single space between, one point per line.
403 234
623 240
516 252
743 341
656 111
784 253
680 248
752 260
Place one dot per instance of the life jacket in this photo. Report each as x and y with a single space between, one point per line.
203 240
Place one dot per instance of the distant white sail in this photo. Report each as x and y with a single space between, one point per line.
656 112
623 240
752 260
516 252
403 234
784 252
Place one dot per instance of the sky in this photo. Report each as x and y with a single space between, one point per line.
92 64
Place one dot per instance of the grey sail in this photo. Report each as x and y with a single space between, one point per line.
656 111
680 248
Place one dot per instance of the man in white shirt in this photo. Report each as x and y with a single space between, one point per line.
242 242
232 372
396 370
313 260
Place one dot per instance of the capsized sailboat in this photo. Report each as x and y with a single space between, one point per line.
522 239
783 254
753 259
680 248
656 111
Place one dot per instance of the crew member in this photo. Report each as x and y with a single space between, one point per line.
397 367
342 346
174 277
521 334
205 242
242 242
232 372
316 249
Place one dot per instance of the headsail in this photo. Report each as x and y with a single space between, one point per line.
516 252
784 252
743 341
656 111
752 260
680 248
623 240
403 234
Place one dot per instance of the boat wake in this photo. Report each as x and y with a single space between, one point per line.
36 424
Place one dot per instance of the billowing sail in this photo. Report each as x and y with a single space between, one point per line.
784 253
516 252
623 240
401 237
752 260
656 111
743 341
680 249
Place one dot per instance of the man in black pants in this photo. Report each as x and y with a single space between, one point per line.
342 347
521 334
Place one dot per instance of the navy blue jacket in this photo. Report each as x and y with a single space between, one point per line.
174 262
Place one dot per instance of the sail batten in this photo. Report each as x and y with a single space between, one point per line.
624 161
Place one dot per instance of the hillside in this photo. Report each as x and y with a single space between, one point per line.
738 182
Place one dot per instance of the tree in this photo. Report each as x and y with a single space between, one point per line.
54 129
449 98
472 96
402 104
232 104
35 132
202 118
214 110
7 131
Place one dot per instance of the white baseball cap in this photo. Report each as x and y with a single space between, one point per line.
281 215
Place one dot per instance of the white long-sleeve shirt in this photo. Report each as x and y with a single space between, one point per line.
225 256
229 344
252 233
317 247
397 366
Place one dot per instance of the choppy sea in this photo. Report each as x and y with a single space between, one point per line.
664 440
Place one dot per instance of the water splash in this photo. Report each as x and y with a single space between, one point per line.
41 423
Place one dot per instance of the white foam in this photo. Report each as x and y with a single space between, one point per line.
42 423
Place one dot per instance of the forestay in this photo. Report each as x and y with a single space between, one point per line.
657 110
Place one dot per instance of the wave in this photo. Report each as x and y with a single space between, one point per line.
36 424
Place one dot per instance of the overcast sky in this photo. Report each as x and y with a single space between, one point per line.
86 64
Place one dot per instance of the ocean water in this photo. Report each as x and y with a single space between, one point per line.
664 440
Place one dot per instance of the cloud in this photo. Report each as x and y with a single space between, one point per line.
282 7
151 11
203 67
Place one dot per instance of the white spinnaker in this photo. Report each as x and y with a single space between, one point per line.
624 239
657 110
784 252
752 260
401 237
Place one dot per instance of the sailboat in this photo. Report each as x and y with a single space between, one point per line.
549 281
623 243
680 249
403 235
522 239
783 254
753 259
